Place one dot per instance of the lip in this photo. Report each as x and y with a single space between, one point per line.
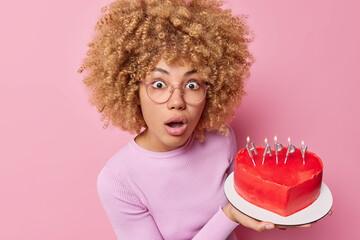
176 131
177 119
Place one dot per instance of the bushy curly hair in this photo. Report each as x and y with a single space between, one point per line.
133 35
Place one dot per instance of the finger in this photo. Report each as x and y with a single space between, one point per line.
262 226
330 213
258 226
249 222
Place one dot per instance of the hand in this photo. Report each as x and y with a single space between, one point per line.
236 216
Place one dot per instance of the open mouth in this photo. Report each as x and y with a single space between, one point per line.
175 124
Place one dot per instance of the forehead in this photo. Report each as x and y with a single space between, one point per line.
177 66
179 70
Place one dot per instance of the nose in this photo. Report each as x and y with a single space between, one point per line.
176 100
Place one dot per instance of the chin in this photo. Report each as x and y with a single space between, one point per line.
176 141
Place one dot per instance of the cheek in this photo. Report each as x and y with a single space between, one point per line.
148 108
197 112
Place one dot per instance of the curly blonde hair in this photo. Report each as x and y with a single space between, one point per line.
133 35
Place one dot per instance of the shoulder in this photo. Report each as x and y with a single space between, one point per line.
218 144
115 181
122 160
217 138
117 171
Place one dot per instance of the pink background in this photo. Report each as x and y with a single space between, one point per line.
305 84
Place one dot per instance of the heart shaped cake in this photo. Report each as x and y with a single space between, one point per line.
278 186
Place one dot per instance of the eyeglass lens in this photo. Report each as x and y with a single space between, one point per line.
160 91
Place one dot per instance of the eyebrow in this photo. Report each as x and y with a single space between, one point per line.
166 72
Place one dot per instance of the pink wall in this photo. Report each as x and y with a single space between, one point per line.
304 85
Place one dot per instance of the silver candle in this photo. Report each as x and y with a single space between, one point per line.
266 151
278 147
303 151
291 149
251 149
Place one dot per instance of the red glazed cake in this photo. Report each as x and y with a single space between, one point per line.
280 188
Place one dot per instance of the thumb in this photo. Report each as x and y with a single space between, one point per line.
266 226
258 226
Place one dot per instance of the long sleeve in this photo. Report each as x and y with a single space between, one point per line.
129 217
218 227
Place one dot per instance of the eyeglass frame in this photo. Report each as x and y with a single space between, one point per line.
180 87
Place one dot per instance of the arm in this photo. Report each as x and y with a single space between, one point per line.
237 216
130 219
220 225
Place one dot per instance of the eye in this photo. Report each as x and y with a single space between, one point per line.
193 85
158 84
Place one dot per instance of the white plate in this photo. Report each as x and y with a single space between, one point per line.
312 213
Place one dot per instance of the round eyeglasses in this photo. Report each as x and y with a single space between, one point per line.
160 91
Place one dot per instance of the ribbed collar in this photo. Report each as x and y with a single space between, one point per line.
168 154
